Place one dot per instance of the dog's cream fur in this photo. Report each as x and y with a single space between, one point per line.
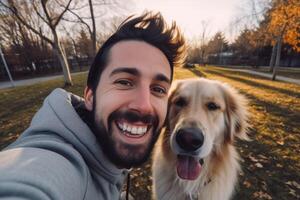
219 172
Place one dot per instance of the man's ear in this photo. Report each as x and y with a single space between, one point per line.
88 98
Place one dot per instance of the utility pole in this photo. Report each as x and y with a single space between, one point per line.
6 67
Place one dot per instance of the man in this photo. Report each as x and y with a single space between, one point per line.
81 149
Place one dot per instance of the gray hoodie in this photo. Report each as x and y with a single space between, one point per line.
58 157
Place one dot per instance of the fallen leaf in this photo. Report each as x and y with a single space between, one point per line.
279 165
247 184
280 143
262 194
258 165
263 157
253 159
293 183
292 192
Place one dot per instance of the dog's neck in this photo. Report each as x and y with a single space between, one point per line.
195 196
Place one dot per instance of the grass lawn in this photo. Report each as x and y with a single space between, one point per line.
270 162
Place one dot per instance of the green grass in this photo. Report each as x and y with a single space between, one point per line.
18 105
270 162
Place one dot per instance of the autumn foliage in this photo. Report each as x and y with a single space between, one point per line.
285 22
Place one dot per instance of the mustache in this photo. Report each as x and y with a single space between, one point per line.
132 116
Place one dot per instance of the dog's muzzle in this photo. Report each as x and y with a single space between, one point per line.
187 143
189 139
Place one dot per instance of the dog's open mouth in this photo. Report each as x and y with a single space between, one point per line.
188 167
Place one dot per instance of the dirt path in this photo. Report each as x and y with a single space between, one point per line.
26 82
278 77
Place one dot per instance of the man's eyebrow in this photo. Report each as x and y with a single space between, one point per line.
135 72
128 70
161 77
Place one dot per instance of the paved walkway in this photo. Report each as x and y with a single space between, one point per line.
7 84
280 78
32 81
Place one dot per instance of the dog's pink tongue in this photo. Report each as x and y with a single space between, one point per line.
188 167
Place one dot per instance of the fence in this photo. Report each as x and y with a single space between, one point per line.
20 69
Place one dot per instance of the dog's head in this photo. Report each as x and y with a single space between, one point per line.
203 117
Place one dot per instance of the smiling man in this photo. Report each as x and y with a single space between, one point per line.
82 148
130 102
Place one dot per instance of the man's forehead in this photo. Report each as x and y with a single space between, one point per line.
138 55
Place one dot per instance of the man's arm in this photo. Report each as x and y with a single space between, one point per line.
33 173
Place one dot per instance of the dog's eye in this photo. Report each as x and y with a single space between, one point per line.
212 106
180 102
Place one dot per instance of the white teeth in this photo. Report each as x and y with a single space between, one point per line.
140 130
124 127
136 130
121 126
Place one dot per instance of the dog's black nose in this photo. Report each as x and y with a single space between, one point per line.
189 139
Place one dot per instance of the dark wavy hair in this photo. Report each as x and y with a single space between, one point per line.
149 27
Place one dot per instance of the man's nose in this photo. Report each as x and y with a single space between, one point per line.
141 101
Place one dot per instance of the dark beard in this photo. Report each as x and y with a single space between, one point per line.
134 155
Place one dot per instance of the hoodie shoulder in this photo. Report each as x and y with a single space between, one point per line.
33 173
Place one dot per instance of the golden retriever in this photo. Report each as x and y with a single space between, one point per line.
195 157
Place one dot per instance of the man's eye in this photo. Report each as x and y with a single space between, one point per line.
123 82
158 90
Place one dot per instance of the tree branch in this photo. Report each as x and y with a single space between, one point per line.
61 15
81 20
14 11
44 6
39 14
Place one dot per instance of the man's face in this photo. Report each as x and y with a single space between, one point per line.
130 102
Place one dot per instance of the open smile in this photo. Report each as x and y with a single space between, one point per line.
133 130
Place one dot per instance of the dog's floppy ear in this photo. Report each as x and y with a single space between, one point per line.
171 93
236 114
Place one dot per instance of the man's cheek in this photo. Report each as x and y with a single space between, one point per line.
100 120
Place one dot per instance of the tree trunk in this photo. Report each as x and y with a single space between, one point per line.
202 57
94 29
278 54
63 62
273 56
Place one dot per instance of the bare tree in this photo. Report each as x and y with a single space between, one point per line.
75 12
252 20
204 40
198 45
102 7
20 41
50 15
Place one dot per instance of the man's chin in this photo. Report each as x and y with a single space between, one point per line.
123 152
129 155
126 148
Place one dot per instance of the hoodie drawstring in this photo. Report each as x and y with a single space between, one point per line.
128 186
